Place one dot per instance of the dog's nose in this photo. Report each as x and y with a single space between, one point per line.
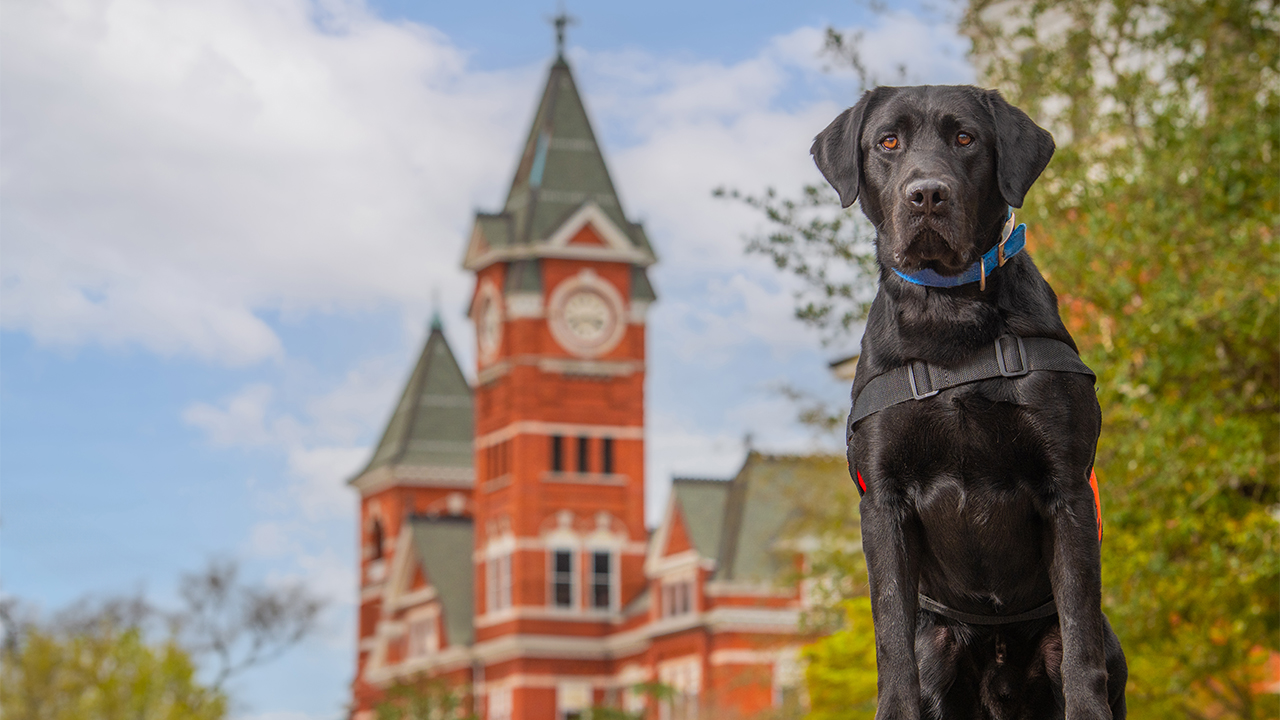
928 195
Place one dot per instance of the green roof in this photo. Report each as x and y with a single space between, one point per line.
444 546
740 522
561 168
432 424
702 503
641 289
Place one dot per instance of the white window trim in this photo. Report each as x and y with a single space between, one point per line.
499 583
430 615
499 704
688 578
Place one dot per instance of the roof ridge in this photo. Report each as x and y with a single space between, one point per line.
429 517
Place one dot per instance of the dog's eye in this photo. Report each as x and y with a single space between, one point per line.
964 138
890 142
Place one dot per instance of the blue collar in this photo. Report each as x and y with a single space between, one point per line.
1012 240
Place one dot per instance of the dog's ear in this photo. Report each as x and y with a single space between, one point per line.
837 151
1023 149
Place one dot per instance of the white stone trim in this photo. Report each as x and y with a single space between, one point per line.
537 427
561 366
633 256
639 310
412 475
488 292
726 588
539 544
524 305
684 562
590 214
742 656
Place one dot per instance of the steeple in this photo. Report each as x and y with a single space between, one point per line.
561 171
430 432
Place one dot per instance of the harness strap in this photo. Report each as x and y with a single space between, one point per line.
1011 356
933 606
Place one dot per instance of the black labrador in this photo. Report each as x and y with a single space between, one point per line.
977 502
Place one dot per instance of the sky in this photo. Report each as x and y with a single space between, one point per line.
224 226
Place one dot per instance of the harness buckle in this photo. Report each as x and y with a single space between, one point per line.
1022 358
911 378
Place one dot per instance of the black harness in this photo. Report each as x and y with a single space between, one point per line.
1010 357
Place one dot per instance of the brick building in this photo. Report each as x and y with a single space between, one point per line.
503 544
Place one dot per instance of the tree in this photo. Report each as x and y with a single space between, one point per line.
1156 222
424 698
841 668
99 667
100 660
240 626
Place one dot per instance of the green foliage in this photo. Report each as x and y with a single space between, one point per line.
841 671
830 250
424 698
1156 223
103 670
657 692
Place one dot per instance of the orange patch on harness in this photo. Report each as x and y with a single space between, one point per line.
1097 500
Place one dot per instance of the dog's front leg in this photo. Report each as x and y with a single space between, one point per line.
890 544
1076 573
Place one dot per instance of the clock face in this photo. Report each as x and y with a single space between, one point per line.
489 330
585 314
589 317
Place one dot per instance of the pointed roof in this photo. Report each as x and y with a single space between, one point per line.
439 542
561 171
741 522
430 433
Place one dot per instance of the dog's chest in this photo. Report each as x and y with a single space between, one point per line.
973 469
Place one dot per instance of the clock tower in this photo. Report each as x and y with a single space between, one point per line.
559 307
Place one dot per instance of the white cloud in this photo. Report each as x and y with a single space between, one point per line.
319 436
242 419
171 170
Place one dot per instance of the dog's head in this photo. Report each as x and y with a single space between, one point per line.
935 167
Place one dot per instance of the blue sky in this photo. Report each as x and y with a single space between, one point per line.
224 224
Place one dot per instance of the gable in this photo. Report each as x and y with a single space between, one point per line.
677 538
702 505
587 236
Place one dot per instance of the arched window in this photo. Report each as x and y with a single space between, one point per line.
375 540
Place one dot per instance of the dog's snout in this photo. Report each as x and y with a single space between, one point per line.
928 196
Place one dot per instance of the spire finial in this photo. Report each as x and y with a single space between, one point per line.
436 324
561 21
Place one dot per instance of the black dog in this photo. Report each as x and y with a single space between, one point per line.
979 524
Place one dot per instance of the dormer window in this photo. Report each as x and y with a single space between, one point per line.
677 597
423 639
